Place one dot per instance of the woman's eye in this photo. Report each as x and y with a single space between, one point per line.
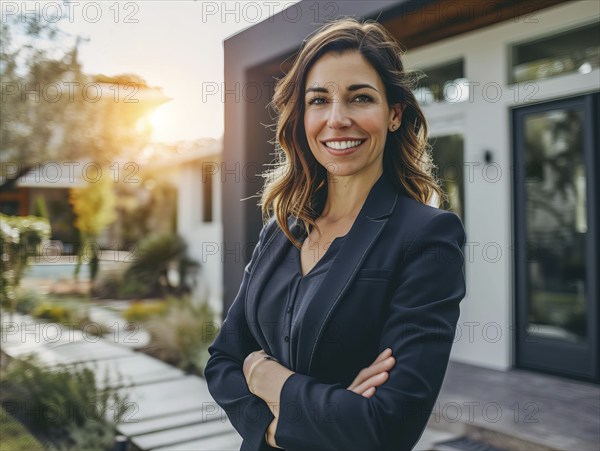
363 98
317 101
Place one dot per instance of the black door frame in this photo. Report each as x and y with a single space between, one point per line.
548 355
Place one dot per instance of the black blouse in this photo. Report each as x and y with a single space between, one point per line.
282 304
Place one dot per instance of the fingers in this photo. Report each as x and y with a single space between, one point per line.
373 382
369 392
364 373
383 362
376 368
384 355
381 366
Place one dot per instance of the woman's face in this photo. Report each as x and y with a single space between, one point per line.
347 116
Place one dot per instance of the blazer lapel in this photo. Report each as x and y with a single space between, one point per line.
274 249
366 229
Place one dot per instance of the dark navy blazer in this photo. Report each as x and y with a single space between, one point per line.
398 283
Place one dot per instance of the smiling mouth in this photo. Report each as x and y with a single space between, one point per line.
343 145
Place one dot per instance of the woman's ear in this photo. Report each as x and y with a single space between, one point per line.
395 116
398 109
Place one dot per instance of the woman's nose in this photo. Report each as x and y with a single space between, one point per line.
338 115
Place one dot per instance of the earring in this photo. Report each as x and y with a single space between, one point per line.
393 128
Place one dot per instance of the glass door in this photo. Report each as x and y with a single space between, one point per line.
556 236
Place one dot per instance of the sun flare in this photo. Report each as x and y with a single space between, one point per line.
157 119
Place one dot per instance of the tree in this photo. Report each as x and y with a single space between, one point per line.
94 207
52 111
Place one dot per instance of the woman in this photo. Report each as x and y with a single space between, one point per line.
340 334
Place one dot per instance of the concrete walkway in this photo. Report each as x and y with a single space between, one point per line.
170 410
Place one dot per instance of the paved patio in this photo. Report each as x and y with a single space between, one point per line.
477 408
519 410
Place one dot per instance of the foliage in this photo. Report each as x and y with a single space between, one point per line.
112 285
92 327
20 237
64 404
61 118
147 206
182 335
27 300
56 313
14 436
131 288
162 265
142 311
63 311
94 206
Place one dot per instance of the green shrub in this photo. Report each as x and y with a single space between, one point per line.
182 335
28 300
129 288
69 312
20 237
64 404
112 285
56 313
92 327
105 285
159 258
15 437
142 311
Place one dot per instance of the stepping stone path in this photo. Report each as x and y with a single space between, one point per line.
170 410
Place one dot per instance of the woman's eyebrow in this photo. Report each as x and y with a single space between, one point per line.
354 87
316 89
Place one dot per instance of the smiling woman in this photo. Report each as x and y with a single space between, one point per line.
347 115
341 331
342 81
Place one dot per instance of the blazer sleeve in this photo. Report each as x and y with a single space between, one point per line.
420 330
248 413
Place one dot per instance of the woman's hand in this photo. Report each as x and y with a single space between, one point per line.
272 383
368 379
270 435
250 361
265 377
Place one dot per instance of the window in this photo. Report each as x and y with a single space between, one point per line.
443 83
569 52
447 153
207 193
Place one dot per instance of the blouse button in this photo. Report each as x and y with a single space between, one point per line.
287 338
289 309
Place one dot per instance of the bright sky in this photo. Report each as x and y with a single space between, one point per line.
173 44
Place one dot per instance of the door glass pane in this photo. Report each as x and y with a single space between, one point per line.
447 153
556 224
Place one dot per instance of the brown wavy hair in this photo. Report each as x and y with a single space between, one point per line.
297 185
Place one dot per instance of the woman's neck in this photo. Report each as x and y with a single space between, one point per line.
347 194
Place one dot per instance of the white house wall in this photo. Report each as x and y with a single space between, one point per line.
204 239
485 333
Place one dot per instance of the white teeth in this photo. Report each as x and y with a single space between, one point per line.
341 145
